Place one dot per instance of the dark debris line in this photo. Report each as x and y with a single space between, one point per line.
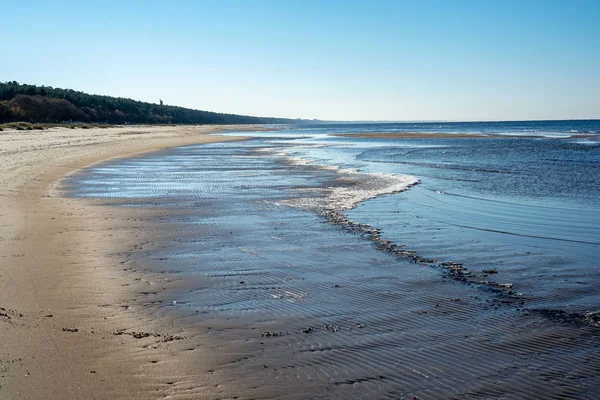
456 271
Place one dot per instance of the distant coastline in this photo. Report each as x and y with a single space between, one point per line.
44 104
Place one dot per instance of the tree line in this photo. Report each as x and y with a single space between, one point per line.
44 104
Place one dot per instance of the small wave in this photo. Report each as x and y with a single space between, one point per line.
514 203
366 186
354 186
441 166
520 234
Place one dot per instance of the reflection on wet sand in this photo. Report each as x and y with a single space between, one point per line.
294 307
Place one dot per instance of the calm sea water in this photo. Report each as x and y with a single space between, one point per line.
552 128
527 206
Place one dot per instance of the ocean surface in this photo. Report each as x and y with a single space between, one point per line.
486 246
524 202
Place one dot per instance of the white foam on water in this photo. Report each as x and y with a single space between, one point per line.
365 186
358 186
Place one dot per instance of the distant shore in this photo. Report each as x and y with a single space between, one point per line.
62 293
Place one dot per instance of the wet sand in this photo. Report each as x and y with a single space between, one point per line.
63 297
260 300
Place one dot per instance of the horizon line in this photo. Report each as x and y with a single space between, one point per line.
418 121
313 119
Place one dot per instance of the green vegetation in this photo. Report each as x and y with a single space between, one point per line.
27 126
43 104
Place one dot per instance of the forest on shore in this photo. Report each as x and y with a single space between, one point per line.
44 104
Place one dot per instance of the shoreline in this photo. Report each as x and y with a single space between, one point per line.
282 306
57 336
114 313
335 211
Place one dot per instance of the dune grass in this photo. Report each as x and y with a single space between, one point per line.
28 126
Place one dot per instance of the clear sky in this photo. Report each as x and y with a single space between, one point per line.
342 60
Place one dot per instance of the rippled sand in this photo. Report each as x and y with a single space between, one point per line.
62 293
272 301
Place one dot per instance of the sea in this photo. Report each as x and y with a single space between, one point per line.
523 201
491 227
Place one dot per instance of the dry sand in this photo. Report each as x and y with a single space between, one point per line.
59 303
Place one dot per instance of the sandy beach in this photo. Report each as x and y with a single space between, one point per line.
391 200
57 319
197 284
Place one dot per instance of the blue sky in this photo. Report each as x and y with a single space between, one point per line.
341 60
